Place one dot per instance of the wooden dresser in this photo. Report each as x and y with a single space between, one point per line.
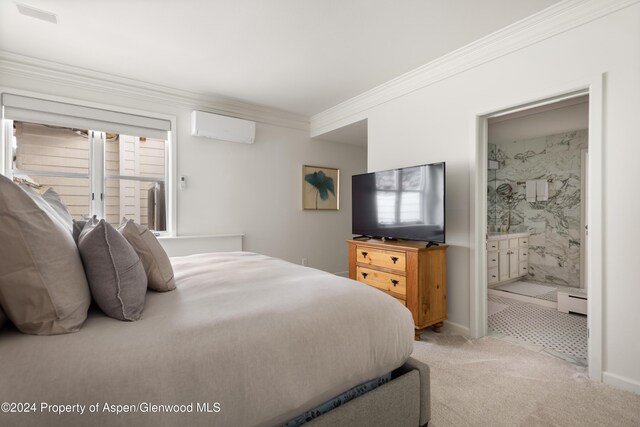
416 276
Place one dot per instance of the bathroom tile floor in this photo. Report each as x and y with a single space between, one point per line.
539 328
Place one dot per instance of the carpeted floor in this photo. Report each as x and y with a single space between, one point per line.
489 382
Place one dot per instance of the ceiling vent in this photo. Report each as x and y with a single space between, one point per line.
222 127
40 14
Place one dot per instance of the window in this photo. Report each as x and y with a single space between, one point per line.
135 180
96 172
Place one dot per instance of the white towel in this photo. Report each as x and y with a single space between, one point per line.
542 190
531 191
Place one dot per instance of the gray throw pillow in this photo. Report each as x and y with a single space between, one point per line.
114 271
78 226
154 258
43 288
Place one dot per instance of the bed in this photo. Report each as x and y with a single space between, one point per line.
245 339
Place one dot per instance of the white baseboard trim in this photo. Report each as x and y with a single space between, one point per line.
342 274
621 382
457 328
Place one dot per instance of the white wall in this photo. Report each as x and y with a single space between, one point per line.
257 189
238 188
436 123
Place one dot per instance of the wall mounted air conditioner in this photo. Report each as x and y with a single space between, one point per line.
224 128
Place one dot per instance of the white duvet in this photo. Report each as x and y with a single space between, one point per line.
244 340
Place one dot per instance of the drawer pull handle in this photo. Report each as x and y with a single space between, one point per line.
493 275
364 254
394 259
394 281
493 260
364 275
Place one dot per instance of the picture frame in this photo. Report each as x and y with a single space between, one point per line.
320 188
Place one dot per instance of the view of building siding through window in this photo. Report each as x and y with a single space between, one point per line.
134 157
134 171
40 148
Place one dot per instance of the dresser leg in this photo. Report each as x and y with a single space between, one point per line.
418 335
438 327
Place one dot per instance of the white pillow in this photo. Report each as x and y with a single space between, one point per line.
43 288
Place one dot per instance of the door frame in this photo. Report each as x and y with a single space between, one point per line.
584 216
593 86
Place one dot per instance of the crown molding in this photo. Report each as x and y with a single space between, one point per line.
554 20
96 81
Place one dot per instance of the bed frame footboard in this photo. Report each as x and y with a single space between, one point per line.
403 401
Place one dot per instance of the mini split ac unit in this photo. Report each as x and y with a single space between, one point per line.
222 127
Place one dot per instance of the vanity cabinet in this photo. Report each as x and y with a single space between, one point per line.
507 257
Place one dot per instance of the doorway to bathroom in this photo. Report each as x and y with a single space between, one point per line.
536 224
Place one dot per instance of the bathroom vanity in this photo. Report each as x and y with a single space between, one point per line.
507 256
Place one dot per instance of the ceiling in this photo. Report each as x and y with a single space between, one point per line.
294 55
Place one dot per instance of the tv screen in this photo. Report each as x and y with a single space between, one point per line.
405 203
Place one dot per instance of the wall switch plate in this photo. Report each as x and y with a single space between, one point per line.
304 261
183 182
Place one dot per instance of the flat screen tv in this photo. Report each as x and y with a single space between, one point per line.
405 203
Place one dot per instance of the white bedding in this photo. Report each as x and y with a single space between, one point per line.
264 338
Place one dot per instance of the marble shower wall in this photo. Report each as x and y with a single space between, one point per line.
554 246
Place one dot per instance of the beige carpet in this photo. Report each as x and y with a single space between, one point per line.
489 382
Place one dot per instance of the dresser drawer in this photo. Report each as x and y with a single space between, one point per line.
388 282
492 245
492 260
523 241
381 258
